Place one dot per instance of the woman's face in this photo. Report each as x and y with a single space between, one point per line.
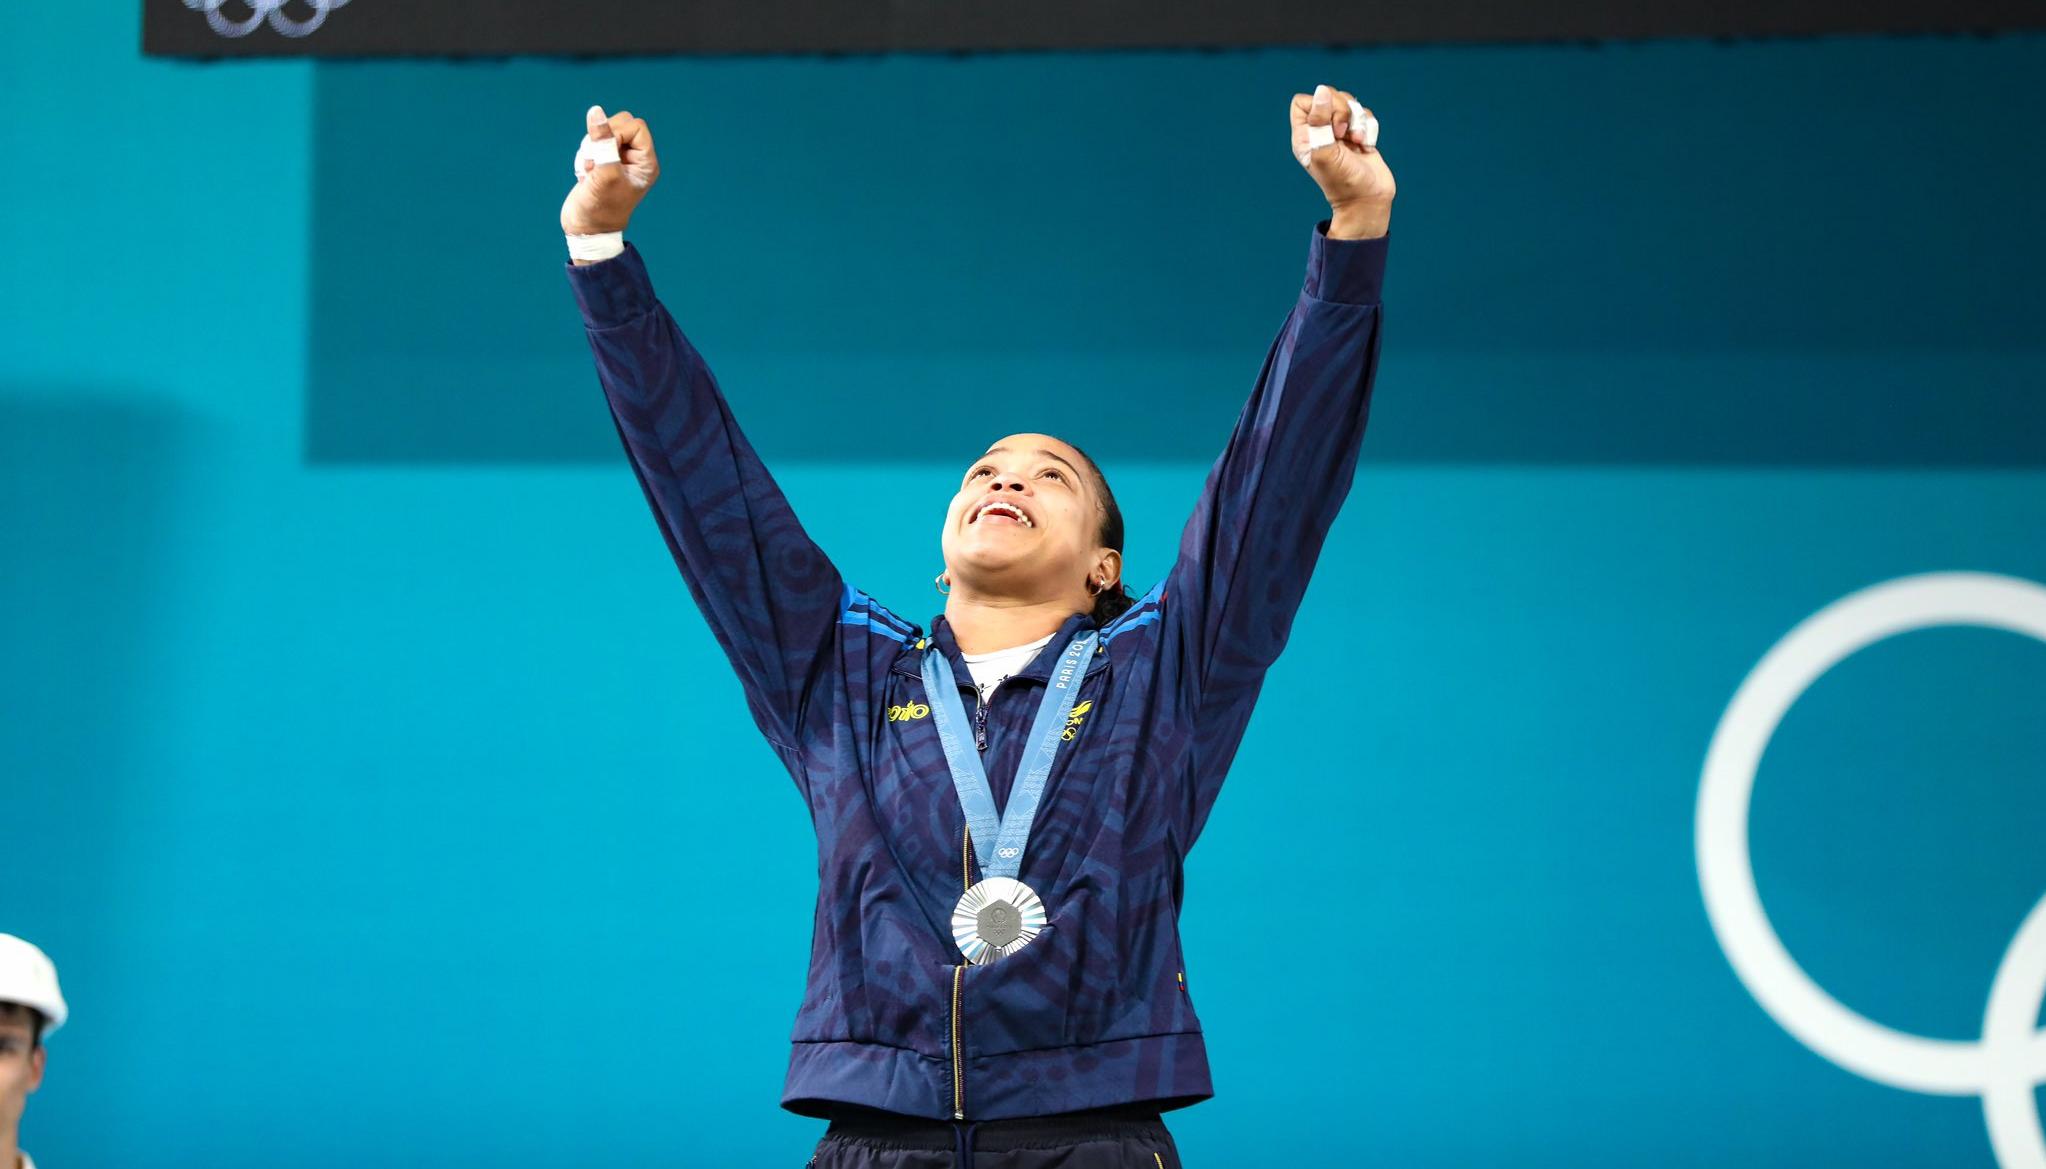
1026 520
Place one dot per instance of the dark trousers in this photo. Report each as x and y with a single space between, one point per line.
1106 1138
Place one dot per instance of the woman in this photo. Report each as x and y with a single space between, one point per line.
1003 802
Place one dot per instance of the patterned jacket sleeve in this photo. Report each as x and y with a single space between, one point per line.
770 594
1227 605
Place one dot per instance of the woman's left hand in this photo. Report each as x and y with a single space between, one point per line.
1350 171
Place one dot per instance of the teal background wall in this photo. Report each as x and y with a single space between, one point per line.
380 795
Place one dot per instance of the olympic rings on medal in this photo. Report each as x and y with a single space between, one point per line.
2009 1061
262 10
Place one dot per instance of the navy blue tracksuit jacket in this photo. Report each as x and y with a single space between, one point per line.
1095 1011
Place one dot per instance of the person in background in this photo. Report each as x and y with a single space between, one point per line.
31 1008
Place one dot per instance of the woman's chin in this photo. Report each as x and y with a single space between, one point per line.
999 572
998 551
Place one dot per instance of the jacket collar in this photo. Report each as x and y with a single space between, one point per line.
910 663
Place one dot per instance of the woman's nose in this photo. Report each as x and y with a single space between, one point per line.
1007 482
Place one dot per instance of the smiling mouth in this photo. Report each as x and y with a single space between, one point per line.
1000 509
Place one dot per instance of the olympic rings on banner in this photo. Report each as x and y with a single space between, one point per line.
2009 1061
260 11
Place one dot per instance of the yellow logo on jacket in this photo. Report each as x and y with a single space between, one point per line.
1073 720
908 711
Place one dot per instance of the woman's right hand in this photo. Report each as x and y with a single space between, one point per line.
604 197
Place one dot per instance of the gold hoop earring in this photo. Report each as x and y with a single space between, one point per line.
943 585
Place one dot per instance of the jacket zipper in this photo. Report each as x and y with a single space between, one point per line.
958 975
958 1060
980 717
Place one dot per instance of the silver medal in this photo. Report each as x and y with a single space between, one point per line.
996 918
1001 915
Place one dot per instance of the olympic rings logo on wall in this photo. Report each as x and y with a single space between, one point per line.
2009 1061
260 11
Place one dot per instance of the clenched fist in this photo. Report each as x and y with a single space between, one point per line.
1350 171
605 195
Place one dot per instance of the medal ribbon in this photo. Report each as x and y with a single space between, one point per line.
998 841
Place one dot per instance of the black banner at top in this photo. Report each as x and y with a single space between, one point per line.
492 28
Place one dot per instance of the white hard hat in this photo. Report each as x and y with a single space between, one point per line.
28 977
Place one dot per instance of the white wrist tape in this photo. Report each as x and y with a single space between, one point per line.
601 246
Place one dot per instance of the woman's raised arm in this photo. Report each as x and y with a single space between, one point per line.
770 594
1227 605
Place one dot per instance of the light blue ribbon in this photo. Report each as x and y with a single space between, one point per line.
998 841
